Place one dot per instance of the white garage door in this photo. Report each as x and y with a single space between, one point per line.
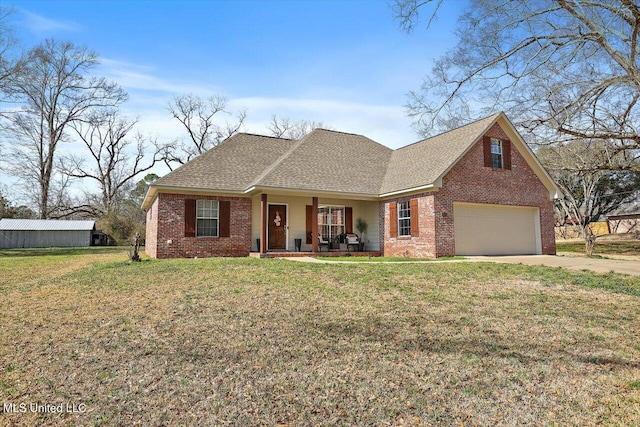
482 229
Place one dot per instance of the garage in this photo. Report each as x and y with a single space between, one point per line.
485 229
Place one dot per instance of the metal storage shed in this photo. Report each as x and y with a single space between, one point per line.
44 233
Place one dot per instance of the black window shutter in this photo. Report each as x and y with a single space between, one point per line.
224 218
189 218
348 220
486 143
413 212
506 154
393 219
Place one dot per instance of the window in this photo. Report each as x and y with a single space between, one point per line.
496 153
331 221
207 215
404 219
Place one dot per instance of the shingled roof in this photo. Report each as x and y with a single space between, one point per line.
231 166
329 162
423 162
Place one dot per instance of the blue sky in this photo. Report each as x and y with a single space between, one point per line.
345 63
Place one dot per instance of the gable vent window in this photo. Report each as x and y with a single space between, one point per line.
496 153
207 215
404 219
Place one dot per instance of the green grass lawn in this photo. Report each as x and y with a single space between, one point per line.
275 342
602 247
384 259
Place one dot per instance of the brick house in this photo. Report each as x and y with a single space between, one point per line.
475 190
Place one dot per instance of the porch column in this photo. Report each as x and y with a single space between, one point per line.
314 225
263 223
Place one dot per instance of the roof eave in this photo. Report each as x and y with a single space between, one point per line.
305 192
435 186
148 198
153 191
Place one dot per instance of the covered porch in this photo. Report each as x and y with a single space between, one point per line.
286 224
275 254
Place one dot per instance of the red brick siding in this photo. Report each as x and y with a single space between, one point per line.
469 181
170 226
151 235
423 246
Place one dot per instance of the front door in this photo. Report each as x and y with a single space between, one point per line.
277 227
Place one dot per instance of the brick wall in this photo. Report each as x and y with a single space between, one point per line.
170 227
469 181
422 246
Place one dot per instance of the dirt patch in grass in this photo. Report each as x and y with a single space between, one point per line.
267 342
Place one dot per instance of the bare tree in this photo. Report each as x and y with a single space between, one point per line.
53 90
285 127
115 158
9 210
200 119
8 64
563 69
590 193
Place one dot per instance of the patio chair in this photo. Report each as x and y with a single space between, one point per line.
322 242
352 239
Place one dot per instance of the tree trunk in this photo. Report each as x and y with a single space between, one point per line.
589 241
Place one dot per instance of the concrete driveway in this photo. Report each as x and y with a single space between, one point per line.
572 262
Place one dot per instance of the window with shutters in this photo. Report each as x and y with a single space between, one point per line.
404 219
207 218
496 153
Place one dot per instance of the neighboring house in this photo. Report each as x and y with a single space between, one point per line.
475 190
44 233
624 223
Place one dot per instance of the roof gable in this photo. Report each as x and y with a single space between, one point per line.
331 161
426 161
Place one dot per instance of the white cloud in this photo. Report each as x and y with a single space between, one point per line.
386 124
39 24
135 77
150 93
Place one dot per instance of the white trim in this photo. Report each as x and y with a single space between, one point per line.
500 145
217 218
303 192
286 228
538 231
432 187
408 202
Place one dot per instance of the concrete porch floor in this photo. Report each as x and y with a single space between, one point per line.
286 254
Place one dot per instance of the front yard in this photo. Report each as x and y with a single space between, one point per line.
608 245
273 342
